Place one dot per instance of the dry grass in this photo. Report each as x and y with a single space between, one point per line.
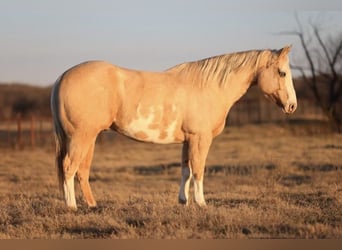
261 182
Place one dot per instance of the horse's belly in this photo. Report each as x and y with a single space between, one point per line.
141 131
155 126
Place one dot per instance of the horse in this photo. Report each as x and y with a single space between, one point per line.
187 104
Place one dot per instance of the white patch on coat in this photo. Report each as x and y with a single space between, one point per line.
143 124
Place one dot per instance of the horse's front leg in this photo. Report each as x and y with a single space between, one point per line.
183 196
198 150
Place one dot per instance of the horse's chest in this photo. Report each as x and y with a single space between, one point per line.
156 124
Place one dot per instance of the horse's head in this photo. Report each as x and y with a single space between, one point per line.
275 80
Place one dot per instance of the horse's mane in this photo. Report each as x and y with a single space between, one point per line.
218 68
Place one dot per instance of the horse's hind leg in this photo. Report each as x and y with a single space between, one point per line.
83 177
78 147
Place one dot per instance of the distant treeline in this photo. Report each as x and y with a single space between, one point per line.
25 100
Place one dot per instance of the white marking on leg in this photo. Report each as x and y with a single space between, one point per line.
69 192
198 189
185 185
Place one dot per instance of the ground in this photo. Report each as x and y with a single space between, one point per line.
261 181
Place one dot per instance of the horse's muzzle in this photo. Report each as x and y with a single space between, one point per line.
290 107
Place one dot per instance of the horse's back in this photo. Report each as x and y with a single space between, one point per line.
147 106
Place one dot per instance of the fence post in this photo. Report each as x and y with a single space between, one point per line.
39 130
19 132
33 131
8 125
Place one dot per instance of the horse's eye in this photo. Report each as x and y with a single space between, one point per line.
282 73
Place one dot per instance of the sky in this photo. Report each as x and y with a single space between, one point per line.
40 39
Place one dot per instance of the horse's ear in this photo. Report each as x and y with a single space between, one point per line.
284 51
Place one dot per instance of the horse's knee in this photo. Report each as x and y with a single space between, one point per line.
69 167
66 167
198 174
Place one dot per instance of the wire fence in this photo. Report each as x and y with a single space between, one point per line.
263 111
35 131
26 132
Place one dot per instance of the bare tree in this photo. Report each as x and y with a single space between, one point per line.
322 72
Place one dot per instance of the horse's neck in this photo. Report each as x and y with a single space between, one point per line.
232 86
237 85
239 82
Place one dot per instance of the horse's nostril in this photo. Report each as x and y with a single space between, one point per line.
292 107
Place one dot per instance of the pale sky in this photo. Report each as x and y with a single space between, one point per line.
41 39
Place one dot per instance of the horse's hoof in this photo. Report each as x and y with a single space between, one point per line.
183 202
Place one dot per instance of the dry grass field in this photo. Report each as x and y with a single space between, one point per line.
261 181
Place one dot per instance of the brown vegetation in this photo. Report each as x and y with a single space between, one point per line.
323 54
24 100
261 182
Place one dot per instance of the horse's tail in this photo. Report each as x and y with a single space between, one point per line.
60 136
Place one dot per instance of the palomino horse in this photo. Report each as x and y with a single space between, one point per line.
186 104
